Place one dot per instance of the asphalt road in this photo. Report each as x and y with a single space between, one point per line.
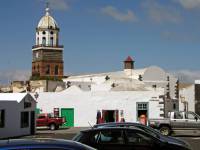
71 132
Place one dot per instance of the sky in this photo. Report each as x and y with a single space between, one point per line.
98 35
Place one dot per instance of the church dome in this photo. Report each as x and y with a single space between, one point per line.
47 22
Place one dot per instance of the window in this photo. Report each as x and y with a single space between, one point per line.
51 41
135 138
41 117
44 32
174 106
178 115
2 118
43 41
56 70
142 106
51 32
24 119
111 137
48 69
191 116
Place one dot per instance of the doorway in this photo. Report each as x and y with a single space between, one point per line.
68 114
142 109
110 115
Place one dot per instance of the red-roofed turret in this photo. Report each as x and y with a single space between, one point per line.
129 63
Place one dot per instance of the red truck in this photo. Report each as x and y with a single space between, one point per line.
49 120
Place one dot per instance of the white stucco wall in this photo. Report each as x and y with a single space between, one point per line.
13 111
86 104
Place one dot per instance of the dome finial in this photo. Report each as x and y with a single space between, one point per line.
47 9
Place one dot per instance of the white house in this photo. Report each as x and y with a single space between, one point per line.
81 107
17 114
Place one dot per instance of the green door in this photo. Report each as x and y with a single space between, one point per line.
68 114
37 110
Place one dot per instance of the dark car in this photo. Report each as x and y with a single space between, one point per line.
42 144
145 128
123 138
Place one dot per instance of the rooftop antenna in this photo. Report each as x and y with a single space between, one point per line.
90 125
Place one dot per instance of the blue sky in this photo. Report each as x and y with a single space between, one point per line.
99 34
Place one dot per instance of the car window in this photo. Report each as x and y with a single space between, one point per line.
137 138
178 115
190 116
41 117
111 137
94 137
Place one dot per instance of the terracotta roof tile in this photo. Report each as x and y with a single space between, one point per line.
128 59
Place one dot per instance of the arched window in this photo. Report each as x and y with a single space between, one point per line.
51 41
43 41
47 69
56 70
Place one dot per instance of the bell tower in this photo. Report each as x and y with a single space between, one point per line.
47 54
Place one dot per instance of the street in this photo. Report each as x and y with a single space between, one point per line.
71 132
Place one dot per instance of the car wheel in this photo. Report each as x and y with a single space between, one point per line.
164 130
52 126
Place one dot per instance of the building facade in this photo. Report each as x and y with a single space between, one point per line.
197 96
17 114
82 108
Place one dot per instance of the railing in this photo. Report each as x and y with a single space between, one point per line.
45 45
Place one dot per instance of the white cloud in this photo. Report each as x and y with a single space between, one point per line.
113 12
58 4
6 76
189 4
187 76
159 13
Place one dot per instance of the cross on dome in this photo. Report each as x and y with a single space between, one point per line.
47 9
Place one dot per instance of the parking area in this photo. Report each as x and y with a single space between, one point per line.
71 132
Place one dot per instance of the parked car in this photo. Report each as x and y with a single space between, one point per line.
187 123
146 129
49 120
42 144
124 138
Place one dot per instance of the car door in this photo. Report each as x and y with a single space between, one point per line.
137 140
177 121
111 139
192 121
41 120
